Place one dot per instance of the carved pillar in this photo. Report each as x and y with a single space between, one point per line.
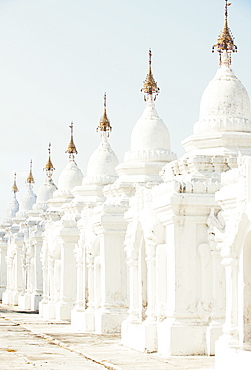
17 275
218 286
51 279
80 301
205 277
67 295
45 284
231 271
90 272
3 269
134 309
44 266
151 282
7 292
38 275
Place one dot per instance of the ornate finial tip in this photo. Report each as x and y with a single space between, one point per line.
150 85
49 166
104 124
71 147
105 100
225 42
30 178
14 187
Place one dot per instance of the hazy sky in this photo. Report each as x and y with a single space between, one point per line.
58 57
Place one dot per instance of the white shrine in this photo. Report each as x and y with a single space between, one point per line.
157 248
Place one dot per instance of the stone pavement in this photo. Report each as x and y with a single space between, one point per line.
28 342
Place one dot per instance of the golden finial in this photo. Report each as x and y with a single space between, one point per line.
14 187
49 166
225 40
150 86
104 124
30 178
71 147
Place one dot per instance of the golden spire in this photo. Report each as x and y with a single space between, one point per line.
14 187
30 178
104 124
49 166
225 40
150 86
71 147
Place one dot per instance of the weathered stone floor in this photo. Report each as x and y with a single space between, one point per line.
28 342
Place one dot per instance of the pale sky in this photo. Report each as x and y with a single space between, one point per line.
58 57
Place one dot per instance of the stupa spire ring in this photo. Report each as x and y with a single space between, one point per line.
225 43
150 85
104 124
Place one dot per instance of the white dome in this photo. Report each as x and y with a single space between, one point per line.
27 201
101 165
70 177
150 132
224 105
45 192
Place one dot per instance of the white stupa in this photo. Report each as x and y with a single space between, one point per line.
225 116
102 163
46 190
13 207
100 168
29 199
71 176
150 141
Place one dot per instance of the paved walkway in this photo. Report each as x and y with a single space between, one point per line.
28 342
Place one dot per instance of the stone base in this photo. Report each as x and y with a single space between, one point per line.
2 290
7 298
47 310
229 357
89 321
78 320
34 301
109 321
181 338
15 297
214 331
24 301
139 336
42 304
63 311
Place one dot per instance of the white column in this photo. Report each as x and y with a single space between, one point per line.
3 268
229 327
134 309
80 296
67 282
90 272
151 282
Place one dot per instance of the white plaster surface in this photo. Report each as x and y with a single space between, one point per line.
70 177
150 132
101 165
